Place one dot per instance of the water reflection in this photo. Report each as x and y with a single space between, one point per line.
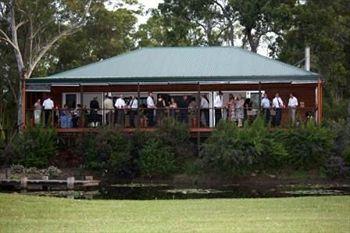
164 191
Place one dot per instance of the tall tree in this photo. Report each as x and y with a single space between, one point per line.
106 34
258 18
33 27
325 27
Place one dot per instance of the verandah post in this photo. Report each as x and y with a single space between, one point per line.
138 106
198 116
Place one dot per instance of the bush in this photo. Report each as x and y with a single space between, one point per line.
108 150
237 151
341 130
335 167
156 159
308 147
176 136
34 147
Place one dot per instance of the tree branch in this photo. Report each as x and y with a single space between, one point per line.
8 40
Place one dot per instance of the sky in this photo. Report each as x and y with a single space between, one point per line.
148 4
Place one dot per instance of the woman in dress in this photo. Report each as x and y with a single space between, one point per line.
231 108
172 108
37 112
239 110
160 109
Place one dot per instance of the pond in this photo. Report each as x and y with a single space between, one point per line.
139 191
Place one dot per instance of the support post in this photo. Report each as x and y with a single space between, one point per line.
70 183
319 101
138 106
259 108
24 182
198 117
82 116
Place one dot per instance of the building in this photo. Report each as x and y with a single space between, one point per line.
178 71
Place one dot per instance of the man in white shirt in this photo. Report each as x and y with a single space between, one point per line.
277 105
120 105
108 109
266 105
150 109
292 105
48 106
133 106
204 111
218 104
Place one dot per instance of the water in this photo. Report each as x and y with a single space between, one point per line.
140 191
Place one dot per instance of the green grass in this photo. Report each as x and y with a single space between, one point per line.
308 214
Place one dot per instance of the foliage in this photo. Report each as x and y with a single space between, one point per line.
335 167
156 159
34 147
176 136
107 34
341 146
308 147
107 150
324 26
238 151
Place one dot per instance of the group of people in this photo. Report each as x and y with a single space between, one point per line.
185 109
64 116
272 110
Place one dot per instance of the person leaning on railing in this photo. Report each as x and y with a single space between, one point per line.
150 109
108 109
120 105
48 106
277 105
94 107
218 105
173 108
292 105
133 106
266 106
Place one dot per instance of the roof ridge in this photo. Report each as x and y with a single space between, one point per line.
274 60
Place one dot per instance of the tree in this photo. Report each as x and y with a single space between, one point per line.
33 27
261 17
324 26
106 34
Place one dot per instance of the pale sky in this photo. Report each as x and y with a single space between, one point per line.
148 4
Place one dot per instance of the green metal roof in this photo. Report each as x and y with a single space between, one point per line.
183 64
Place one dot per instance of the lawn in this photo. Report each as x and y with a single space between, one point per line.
308 214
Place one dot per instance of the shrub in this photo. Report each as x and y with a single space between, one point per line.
53 171
156 159
227 150
176 136
308 147
341 146
237 151
16 168
107 150
34 147
335 167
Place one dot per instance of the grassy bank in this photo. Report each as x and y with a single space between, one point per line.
308 214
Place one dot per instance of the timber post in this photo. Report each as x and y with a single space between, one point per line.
23 99
70 183
198 117
24 182
319 101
